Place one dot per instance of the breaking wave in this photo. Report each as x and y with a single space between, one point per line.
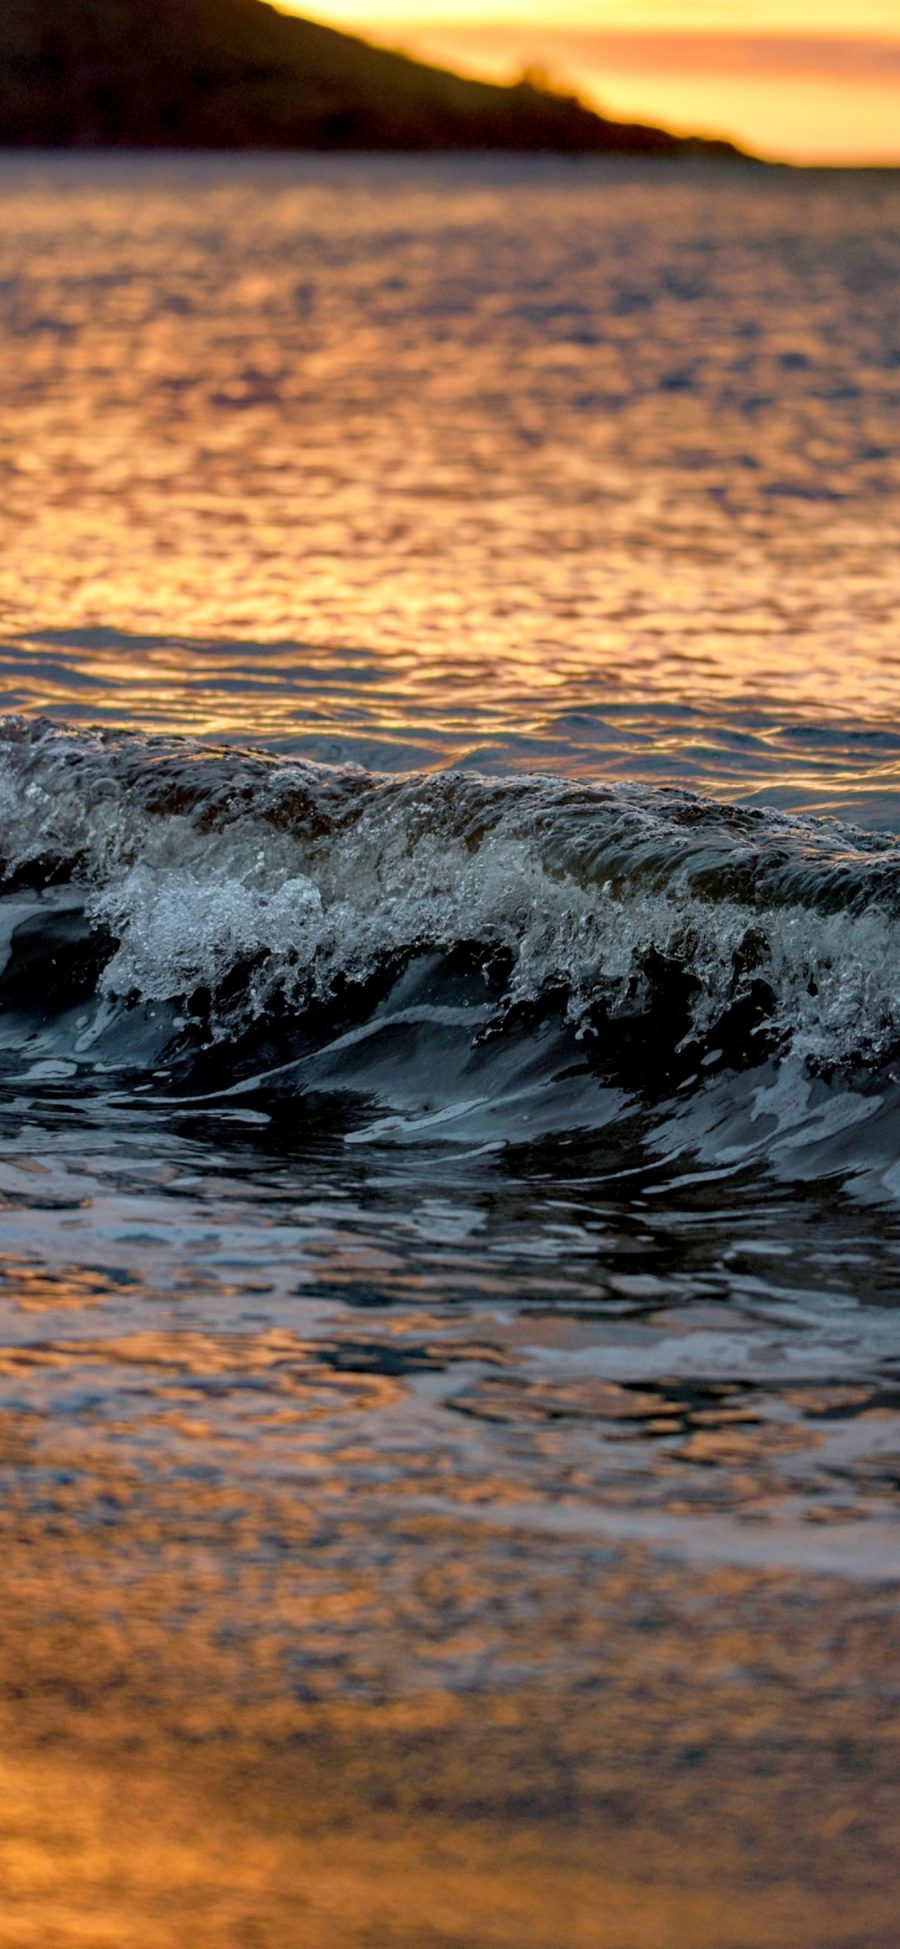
461 956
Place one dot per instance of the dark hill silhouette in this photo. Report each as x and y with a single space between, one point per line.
236 74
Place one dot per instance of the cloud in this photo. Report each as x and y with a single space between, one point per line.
688 52
773 54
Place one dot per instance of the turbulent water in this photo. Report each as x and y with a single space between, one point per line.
458 957
450 998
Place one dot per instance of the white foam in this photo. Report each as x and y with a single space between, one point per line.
198 862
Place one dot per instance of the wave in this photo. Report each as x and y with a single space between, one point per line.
467 956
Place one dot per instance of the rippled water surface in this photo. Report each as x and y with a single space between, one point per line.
449 1055
535 466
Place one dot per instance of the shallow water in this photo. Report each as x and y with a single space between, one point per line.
449 1040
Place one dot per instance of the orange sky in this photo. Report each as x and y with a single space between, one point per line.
815 80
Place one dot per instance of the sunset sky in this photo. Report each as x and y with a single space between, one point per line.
815 80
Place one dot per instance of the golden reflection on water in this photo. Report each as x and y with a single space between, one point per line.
291 1664
517 447
230 1707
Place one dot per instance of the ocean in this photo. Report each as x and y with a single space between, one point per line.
449 1054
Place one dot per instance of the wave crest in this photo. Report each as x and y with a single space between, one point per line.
489 938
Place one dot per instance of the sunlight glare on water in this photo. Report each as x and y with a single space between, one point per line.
450 463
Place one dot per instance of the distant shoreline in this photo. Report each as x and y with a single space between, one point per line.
577 159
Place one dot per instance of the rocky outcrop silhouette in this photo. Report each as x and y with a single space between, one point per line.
237 74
